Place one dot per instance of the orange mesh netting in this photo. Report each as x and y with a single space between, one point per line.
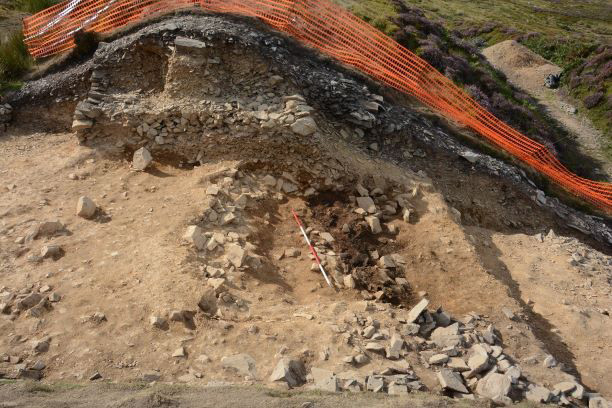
335 32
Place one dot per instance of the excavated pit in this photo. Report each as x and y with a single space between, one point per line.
200 90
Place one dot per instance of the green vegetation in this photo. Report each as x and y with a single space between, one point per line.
567 54
379 13
568 33
14 62
33 6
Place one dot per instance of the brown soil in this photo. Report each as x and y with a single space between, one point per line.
130 264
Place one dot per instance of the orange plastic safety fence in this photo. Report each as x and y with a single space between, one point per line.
335 32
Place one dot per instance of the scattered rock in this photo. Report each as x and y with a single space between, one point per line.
324 380
158 322
141 159
494 386
550 362
236 255
180 352
395 347
598 402
538 394
86 208
374 224
195 236
242 363
438 359
416 311
290 371
366 204
305 126
41 346
452 381
565 387
50 251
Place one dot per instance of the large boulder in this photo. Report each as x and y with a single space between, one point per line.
290 371
242 363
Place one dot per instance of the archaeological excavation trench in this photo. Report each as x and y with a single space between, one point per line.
234 126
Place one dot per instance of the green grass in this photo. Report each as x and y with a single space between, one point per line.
379 13
566 53
14 61
33 6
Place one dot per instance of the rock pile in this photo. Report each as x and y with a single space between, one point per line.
465 354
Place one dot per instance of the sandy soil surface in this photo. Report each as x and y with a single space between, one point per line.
129 263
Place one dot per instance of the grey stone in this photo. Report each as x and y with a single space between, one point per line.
183 42
578 393
369 331
386 262
236 255
470 156
446 336
410 329
366 204
397 389
86 208
30 374
538 394
494 385
141 159
361 359
549 362
416 311
395 347
41 346
39 365
374 224
375 383
324 380
158 322
208 302
509 313
290 371
477 363
29 301
305 126
598 402
450 380
438 359
565 387
457 364
242 363
376 347
81 124
195 236
514 373
50 251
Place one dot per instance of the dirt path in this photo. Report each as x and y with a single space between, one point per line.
527 70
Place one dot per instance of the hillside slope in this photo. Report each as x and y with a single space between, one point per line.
443 260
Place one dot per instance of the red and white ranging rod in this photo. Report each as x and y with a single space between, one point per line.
312 250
